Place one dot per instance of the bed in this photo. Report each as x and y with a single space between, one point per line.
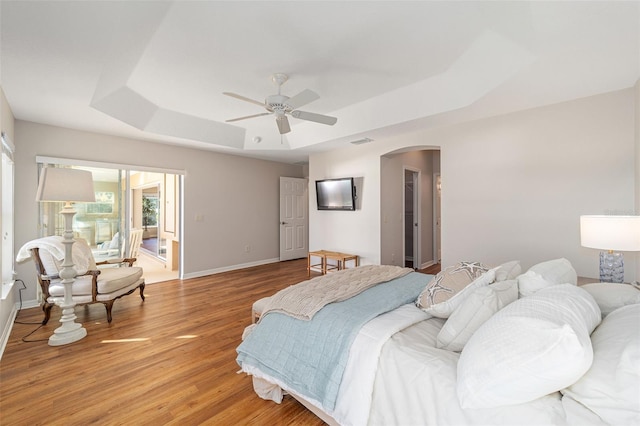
384 345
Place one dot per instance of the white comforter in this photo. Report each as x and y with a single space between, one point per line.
396 376
414 383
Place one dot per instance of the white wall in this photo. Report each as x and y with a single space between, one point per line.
637 165
237 197
514 186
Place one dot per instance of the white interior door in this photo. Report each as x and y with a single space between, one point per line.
294 218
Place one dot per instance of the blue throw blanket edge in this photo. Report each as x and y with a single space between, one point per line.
310 356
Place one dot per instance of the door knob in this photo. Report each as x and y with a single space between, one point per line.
283 223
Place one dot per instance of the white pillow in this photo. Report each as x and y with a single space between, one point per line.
535 346
530 282
551 272
449 287
558 271
508 270
611 387
477 308
611 296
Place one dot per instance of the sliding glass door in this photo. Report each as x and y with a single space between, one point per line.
135 213
101 224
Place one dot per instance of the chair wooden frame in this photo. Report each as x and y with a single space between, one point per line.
45 281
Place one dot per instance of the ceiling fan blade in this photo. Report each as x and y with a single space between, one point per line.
283 124
318 118
248 116
242 98
302 98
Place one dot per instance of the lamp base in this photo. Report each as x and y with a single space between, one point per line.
611 267
70 331
66 337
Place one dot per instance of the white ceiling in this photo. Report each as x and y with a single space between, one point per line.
156 70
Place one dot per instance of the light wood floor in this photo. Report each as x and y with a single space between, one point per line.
168 360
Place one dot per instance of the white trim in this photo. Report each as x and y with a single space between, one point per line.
7 329
199 274
85 163
416 175
7 145
436 194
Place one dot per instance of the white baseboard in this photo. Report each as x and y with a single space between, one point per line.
7 329
427 264
229 268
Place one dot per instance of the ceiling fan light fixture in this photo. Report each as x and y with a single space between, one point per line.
281 106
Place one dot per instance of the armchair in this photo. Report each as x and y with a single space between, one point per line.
91 285
110 249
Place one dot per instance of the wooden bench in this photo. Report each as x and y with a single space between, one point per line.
324 266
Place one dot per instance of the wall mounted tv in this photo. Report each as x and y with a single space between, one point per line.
336 194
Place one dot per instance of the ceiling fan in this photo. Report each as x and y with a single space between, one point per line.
282 105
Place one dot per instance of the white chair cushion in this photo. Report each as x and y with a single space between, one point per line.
535 346
110 281
113 279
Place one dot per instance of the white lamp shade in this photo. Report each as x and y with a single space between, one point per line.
619 233
65 185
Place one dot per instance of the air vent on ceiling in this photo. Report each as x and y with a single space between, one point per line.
361 141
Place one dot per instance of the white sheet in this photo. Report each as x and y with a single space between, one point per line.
416 384
354 397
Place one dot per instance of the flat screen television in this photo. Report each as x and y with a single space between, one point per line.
336 194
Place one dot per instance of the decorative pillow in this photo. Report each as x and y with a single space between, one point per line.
610 296
477 308
449 287
535 346
508 271
611 386
551 272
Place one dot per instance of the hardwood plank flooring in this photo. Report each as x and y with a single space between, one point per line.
167 360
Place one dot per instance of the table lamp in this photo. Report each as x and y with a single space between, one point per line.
67 186
612 234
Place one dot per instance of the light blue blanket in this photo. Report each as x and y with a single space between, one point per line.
310 356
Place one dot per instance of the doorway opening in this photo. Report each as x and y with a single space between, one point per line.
408 211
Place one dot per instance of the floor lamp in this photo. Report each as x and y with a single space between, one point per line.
67 186
609 233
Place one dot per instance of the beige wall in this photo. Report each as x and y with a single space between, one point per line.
514 185
235 199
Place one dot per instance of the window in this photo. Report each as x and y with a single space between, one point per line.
7 216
